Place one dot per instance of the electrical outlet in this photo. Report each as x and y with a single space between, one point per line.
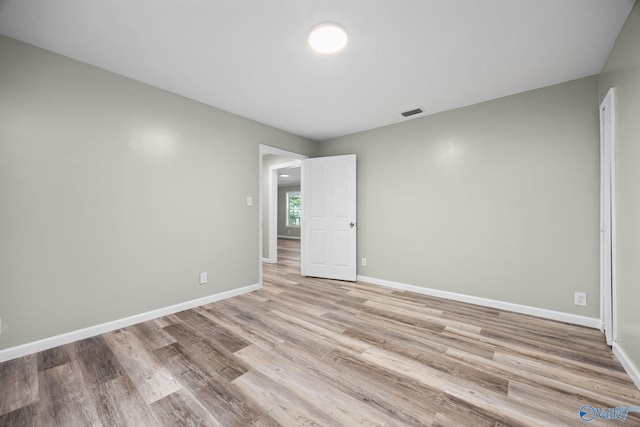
363 262
580 298
203 278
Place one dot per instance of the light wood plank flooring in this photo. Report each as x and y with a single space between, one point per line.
305 351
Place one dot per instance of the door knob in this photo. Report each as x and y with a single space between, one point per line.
352 224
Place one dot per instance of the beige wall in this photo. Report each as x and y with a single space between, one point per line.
283 230
498 200
622 71
115 195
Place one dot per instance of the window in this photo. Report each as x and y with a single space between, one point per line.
294 207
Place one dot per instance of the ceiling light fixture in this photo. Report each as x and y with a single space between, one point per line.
328 37
284 175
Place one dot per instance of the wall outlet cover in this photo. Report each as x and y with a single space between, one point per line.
580 298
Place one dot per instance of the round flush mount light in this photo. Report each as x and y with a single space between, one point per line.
328 37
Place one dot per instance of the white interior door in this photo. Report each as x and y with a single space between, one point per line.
329 217
607 218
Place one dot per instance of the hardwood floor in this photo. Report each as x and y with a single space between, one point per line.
305 351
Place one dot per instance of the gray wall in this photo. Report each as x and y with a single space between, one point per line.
283 230
497 200
622 71
115 195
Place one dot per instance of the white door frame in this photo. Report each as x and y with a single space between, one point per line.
608 303
263 150
273 207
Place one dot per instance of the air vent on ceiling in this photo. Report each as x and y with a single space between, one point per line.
412 112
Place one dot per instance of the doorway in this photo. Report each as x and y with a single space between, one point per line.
269 157
328 226
284 180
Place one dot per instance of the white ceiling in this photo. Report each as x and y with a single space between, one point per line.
250 57
292 179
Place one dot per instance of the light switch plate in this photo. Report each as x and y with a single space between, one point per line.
203 278
249 201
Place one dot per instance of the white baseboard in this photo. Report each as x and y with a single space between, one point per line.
47 343
289 237
575 319
627 364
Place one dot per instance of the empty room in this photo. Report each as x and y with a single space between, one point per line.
263 213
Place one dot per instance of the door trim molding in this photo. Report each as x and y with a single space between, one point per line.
606 294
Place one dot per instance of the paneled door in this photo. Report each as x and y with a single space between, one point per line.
329 217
